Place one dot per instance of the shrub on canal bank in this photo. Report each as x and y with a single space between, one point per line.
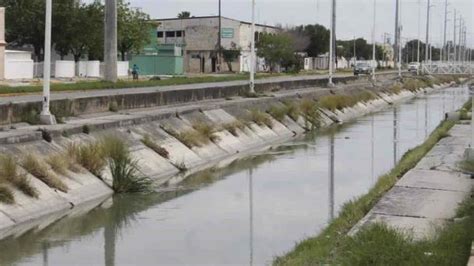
328 246
126 177
9 173
6 195
310 112
260 118
40 170
90 156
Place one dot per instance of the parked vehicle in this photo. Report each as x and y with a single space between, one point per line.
413 67
362 68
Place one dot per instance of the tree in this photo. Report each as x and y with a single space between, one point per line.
316 38
25 23
231 55
133 29
277 49
184 14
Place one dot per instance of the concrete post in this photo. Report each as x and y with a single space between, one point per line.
2 43
331 42
110 41
252 52
427 31
373 41
46 117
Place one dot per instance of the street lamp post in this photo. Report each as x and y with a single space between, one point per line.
373 41
331 42
46 117
110 41
427 31
252 52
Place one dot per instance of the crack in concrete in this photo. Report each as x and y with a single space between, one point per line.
435 189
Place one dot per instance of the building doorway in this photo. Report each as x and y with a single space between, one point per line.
203 64
214 64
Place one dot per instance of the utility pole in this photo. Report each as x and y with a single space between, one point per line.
399 33
110 41
252 52
445 28
419 36
397 28
219 38
46 117
454 38
427 31
331 42
373 41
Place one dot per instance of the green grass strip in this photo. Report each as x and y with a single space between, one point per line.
324 248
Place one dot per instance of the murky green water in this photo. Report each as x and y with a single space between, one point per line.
246 214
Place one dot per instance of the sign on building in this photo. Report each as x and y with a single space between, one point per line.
227 33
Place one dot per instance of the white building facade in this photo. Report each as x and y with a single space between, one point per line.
200 37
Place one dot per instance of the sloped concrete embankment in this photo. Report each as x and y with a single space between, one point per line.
164 127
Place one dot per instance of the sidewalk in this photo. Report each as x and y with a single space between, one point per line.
36 97
428 195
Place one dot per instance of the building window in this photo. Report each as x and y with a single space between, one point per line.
170 34
160 34
179 34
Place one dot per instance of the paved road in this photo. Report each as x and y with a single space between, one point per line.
107 92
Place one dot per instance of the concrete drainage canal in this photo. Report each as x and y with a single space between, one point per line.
244 214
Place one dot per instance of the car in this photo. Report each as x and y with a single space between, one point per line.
362 68
413 67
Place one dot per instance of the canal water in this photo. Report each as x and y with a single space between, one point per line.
246 214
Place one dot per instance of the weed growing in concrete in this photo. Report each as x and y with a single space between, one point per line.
365 96
396 89
9 172
278 112
414 85
337 102
86 129
39 169
125 171
189 138
294 111
207 131
113 106
59 163
6 195
234 126
325 248
90 156
181 167
310 113
260 118
150 143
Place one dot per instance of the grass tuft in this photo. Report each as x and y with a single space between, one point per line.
9 173
150 143
125 171
40 170
278 112
6 195
90 156
206 130
234 126
260 118
310 113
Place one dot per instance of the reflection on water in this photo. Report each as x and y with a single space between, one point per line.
248 213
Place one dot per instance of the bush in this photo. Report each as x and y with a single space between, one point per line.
147 141
293 110
207 131
396 89
9 173
40 170
260 118
232 127
310 113
6 195
337 102
90 156
124 169
278 112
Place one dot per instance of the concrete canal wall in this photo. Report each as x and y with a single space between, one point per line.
161 126
77 103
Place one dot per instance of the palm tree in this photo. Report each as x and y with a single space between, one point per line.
184 14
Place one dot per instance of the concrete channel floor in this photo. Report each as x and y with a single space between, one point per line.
425 199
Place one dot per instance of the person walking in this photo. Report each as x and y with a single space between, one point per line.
135 72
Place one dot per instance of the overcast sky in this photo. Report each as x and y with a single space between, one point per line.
354 17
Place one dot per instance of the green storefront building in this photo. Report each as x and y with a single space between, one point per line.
159 59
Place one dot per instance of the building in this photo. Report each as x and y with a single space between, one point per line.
199 37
